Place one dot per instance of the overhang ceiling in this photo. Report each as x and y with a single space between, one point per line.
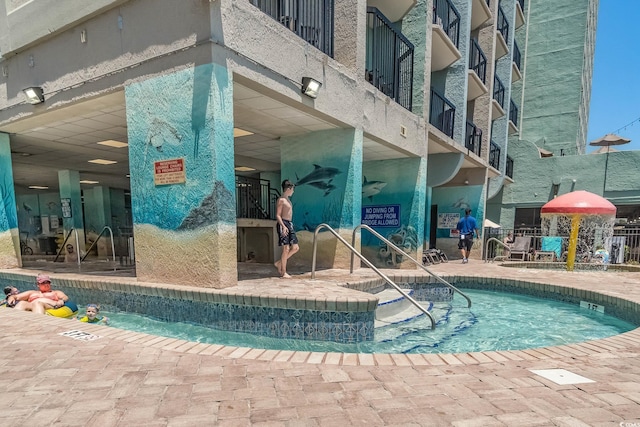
67 138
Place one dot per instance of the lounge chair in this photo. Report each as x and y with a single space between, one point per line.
521 248
551 247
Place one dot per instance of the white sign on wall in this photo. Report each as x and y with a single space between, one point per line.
448 220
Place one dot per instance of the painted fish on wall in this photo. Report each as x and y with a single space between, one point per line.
319 173
371 188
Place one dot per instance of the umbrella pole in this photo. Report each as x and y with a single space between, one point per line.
573 242
606 165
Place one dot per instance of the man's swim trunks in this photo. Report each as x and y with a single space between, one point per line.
290 238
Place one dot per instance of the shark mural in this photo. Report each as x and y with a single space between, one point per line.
371 188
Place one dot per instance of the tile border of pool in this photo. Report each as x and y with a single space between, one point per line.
615 343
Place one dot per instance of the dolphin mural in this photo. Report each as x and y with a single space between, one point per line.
319 174
371 188
461 204
325 186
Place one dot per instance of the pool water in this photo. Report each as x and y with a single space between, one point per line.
496 321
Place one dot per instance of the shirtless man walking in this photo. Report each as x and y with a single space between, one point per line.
286 235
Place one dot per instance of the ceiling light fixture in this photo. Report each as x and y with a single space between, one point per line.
102 161
240 132
113 143
34 95
244 169
86 181
38 187
310 87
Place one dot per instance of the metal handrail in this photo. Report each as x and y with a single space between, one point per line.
368 263
486 248
403 253
65 241
113 249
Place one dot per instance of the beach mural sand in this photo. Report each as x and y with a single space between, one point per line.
326 168
393 204
186 212
9 240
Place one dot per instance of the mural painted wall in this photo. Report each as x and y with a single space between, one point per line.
326 168
8 215
393 204
182 176
452 202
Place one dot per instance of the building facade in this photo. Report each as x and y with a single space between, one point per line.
173 123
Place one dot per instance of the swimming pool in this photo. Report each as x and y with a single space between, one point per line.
496 321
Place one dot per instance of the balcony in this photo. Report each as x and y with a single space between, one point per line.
502 38
394 10
515 64
519 13
389 62
497 103
442 113
445 35
310 20
477 72
509 167
480 13
473 138
513 117
494 156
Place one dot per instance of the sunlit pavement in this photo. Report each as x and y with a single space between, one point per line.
125 378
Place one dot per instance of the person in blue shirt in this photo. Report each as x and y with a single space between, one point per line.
467 227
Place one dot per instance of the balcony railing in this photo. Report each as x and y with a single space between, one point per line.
513 113
494 155
477 60
254 198
509 167
517 58
521 4
498 90
473 139
442 113
311 20
446 15
389 59
502 24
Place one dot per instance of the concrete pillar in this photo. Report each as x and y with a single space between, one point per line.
9 236
393 204
69 183
180 129
327 169
97 203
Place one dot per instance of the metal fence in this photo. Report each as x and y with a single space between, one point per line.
498 90
623 248
389 59
446 15
478 60
473 140
442 113
254 198
502 24
494 155
312 20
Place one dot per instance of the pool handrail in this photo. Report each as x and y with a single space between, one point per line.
403 253
369 264
486 249
113 249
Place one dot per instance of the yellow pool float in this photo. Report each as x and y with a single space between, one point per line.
69 309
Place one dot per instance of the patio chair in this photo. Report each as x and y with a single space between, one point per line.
521 248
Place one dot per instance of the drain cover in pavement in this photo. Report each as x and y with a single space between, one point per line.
80 335
561 376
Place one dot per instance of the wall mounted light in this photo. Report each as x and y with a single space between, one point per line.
34 95
310 87
466 182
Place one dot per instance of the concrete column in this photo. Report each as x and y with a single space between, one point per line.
69 183
417 28
9 236
393 204
182 177
97 203
327 169
350 34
